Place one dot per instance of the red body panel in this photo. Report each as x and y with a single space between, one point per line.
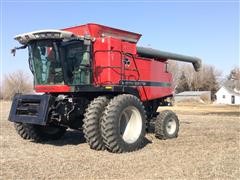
111 48
109 68
96 30
52 88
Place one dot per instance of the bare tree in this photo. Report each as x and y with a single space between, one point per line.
182 84
1 93
173 67
210 82
234 74
234 77
16 82
207 79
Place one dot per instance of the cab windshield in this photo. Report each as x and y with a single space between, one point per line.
56 62
45 62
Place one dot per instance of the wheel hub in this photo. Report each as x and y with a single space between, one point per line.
130 122
171 126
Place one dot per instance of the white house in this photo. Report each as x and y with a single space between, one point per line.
227 95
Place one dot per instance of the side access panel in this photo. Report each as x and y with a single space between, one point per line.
32 109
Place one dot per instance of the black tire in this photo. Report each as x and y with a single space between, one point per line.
114 124
91 123
166 125
39 133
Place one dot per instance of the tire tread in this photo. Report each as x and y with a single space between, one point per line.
91 122
108 124
160 125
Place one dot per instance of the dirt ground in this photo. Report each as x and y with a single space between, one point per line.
208 147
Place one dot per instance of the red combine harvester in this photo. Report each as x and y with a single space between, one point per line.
95 78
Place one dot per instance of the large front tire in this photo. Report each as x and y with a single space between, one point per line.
39 133
123 124
91 123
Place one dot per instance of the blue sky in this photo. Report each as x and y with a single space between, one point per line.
209 30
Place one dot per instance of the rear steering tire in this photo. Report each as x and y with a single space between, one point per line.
123 124
39 133
166 125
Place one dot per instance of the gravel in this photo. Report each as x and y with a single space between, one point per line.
207 147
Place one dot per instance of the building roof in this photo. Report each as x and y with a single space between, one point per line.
193 93
231 91
232 86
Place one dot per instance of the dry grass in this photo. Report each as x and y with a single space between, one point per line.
204 109
207 147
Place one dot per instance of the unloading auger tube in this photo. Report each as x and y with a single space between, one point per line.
153 53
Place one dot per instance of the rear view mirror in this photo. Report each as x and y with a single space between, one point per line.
13 51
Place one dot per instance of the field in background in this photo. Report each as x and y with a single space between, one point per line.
208 147
204 109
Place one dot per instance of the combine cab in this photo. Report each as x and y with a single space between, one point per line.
94 78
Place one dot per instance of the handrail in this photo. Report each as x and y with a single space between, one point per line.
117 51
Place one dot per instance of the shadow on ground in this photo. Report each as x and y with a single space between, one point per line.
70 138
77 137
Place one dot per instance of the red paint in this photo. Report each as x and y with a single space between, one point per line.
52 88
148 69
96 30
111 51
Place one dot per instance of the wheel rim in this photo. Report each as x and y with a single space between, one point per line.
130 123
171 126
